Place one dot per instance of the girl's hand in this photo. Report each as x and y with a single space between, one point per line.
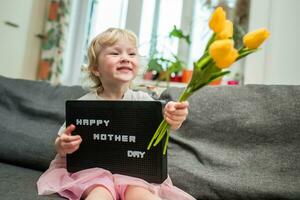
67 143
175 113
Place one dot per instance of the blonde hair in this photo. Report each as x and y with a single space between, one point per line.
105 39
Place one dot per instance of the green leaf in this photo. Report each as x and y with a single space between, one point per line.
218 75
154 65
175 66
188 39
178 33
245 52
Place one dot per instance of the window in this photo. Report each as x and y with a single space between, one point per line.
146 27
106 14
158 18
169 15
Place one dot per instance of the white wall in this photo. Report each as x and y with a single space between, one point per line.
277 62
20 48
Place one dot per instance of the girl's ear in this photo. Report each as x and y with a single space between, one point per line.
95 71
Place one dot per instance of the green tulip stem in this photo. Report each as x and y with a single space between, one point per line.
167 141
162 133
184 96
157 133
210 41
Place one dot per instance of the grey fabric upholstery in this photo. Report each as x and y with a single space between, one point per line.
237 143
20 183
31 113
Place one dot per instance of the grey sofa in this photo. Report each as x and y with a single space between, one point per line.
239 142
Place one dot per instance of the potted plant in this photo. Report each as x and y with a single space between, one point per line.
163 66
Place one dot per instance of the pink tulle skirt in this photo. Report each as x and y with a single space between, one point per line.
72 186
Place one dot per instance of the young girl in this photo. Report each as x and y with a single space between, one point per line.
113 64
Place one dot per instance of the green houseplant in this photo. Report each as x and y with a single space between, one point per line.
167 66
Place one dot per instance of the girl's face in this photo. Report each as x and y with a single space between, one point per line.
118 64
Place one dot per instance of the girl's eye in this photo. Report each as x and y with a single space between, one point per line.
132 54
114 53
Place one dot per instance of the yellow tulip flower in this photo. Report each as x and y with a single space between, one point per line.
227 32
218 20
254 39
223 53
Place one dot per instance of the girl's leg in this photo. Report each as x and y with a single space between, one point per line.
139 193
97 193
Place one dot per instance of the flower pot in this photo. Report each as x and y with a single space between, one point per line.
186 75
216 82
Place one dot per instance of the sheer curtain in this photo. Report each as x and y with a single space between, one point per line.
88 19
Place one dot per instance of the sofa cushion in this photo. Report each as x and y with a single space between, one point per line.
20 183
31 112
238 142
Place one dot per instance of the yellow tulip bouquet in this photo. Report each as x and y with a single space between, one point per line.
219 54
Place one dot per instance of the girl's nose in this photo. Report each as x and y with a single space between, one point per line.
124 58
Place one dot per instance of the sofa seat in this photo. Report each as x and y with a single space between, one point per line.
23 180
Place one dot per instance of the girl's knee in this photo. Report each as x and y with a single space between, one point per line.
97 192
139 193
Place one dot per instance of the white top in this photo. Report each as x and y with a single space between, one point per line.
129 95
